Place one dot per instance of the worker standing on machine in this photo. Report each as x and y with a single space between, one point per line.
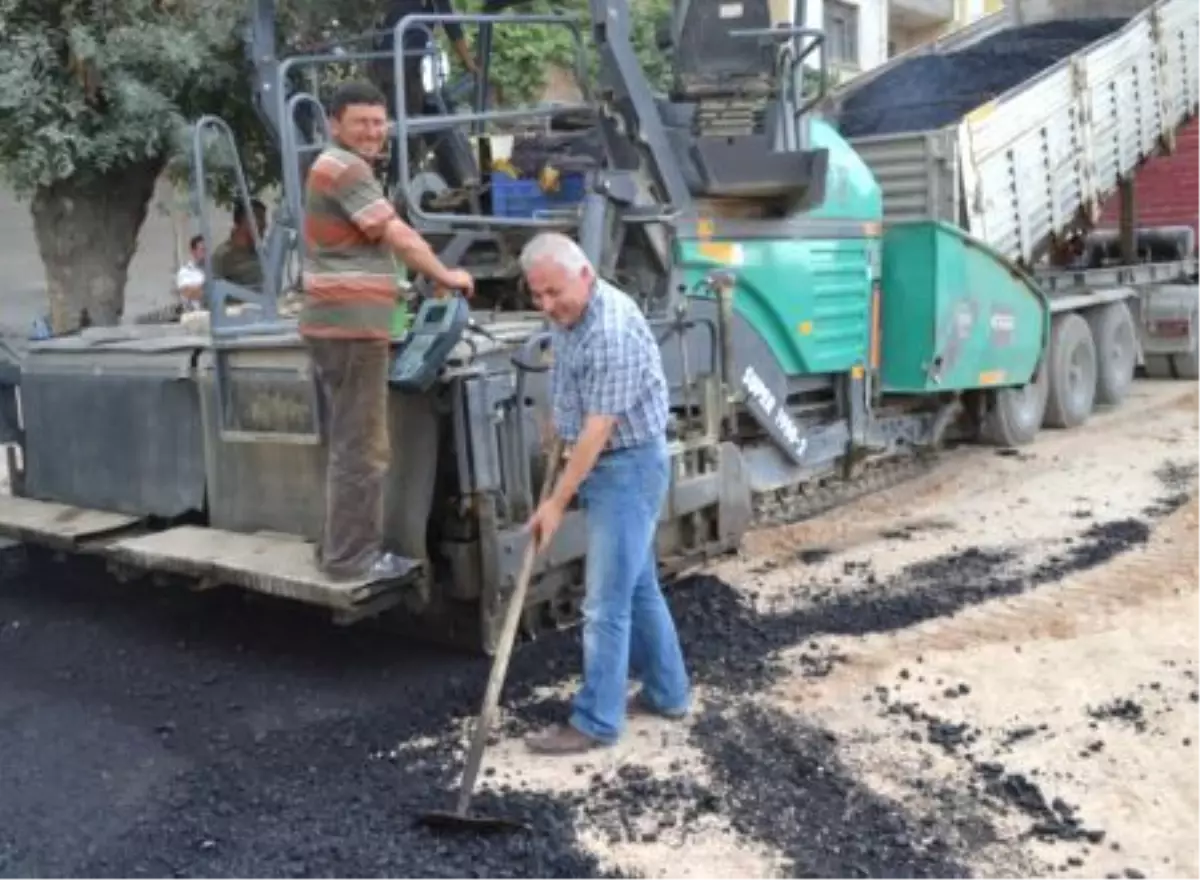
351 231
610 405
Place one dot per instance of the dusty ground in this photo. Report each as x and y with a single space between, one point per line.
1076 681
988 671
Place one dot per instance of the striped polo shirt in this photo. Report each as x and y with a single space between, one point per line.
350 279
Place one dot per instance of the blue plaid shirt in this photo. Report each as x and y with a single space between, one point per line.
609 364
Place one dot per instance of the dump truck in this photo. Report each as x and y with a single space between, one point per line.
835 300
1032 169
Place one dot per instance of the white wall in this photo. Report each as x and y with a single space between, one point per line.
872 31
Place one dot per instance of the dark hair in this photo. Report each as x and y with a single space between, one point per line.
239 210
195 240
355 93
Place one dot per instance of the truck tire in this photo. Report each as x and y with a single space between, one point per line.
1173 366
1071 369
1015 414
1115 336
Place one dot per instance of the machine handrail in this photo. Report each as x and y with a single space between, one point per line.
214 297
406 127
291 177
792 57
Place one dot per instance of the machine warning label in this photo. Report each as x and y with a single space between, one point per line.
1002 324
775 418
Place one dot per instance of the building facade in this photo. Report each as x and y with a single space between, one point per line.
861 34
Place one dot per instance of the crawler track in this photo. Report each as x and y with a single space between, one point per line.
798 503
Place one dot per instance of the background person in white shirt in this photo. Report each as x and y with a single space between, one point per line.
190 277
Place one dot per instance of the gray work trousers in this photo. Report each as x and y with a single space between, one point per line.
352 379
363 422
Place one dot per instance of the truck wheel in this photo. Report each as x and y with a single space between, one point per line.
1116 351
1015 414
1072 372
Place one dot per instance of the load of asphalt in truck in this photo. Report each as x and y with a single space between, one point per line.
930 91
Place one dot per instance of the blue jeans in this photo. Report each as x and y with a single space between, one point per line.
627 627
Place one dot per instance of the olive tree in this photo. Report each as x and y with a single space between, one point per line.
93 96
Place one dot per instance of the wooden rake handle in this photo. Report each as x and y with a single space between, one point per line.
504 645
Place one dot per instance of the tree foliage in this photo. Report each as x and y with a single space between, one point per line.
522 53
89 86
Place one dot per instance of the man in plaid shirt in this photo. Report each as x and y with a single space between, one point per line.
610 405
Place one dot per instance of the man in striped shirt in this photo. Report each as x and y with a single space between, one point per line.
351 232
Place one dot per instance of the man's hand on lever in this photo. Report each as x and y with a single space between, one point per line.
418 256
459 279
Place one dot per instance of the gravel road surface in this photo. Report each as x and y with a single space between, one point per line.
989 671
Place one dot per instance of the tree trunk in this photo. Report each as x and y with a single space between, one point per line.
87 231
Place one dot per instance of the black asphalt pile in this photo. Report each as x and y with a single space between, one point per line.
936 90
784 786
1021 733
219 736
949 736
635 805
1097 546
223 734
729 644
1178 483
1124 710
1054 820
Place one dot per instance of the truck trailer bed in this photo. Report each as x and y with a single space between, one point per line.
1017 131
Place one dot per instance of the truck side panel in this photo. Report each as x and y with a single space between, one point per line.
918 174
1033 162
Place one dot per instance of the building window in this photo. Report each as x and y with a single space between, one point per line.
841 33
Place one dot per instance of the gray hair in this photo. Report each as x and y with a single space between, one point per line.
557 247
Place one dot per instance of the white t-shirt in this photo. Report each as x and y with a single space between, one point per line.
189 275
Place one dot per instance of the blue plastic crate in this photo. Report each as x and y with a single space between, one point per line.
522 197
